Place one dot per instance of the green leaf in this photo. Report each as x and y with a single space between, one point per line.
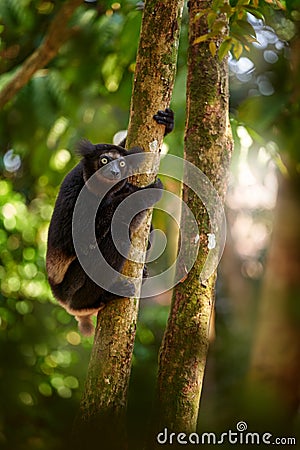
237 49
241 13
243 38
211 17
212 48
219 25
228 10
255 136
244 28
277 3
217 4
224 48
255 12
200 14
202 38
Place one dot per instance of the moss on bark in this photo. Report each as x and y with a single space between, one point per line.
208 145
104 401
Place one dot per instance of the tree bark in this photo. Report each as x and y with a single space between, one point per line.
57 34
208 145
105 396
275 361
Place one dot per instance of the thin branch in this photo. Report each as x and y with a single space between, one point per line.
57 34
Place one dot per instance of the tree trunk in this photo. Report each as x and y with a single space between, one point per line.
103 405
208 146
275 365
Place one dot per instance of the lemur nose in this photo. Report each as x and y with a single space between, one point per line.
115 172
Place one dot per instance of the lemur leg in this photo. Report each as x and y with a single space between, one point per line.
57 264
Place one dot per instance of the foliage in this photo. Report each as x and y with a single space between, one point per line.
241 32
39 373
74 95
44 359
264 96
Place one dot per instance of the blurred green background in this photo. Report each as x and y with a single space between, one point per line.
85 92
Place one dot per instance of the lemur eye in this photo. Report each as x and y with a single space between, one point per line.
122 163
104 160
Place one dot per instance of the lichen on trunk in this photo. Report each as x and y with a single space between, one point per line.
103 405
208 145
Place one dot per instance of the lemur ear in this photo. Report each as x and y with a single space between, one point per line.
86 149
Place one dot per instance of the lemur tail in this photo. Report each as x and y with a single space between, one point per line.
85 325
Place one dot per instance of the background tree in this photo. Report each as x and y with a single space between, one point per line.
274 370
57 34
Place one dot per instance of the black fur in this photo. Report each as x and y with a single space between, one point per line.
72 287
162 117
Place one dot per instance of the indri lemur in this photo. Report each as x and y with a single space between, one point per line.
71 286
